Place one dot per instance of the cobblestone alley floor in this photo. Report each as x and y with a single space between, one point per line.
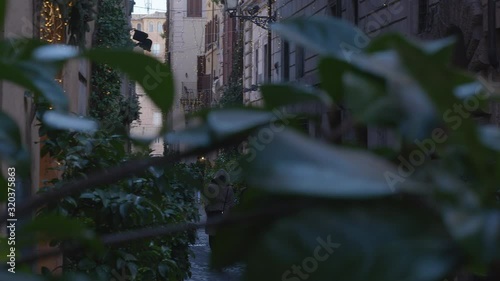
200 263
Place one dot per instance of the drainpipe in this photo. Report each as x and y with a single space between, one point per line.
492 43
269 42
214 45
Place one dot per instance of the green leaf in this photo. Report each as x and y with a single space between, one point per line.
441 49
440 82
55 53
317 169
229 122
63 121
86 264
192 137
378 91
367 98
382 241
49 226
276 96
42 82
331 71
163 269
154 76
490 136
324 35
478 232
223 124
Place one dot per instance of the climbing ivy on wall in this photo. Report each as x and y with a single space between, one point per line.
77 15
107 103
233 92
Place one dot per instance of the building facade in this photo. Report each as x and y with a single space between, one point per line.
150 116
186 21
41 20
423 19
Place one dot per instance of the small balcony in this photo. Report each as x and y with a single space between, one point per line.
193 99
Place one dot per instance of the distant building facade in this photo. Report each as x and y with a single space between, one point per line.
186 21
424 19
150 116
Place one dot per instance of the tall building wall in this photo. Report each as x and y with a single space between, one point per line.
150 116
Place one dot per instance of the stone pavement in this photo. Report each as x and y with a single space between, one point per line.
200 263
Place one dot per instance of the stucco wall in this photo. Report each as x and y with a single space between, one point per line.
187 42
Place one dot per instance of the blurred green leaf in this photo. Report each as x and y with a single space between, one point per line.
440 49
380 92
63 121
86 264
439 82
44 83
50 227
315 33
317 169
154 76
163 269
196 137
490 136
478 232
353 241
367 98
278 95
231 249
54 53
229 122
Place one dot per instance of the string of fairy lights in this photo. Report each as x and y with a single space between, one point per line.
52 28
53 25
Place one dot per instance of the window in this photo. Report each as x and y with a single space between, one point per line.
160 27
266 64
286 61
257 66
151 27
334 8
299 62
194 8
157 118
422 15
155 49
139 27
216 27
355 8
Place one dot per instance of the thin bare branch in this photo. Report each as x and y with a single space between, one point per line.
109 176
276 211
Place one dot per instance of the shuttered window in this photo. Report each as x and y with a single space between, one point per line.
194 8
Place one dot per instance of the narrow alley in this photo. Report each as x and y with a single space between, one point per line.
200 263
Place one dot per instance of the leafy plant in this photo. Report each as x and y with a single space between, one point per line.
315 208
107 103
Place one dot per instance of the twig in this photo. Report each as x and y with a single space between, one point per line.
273 212
108 176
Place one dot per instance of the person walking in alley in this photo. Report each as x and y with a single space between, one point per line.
221 201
